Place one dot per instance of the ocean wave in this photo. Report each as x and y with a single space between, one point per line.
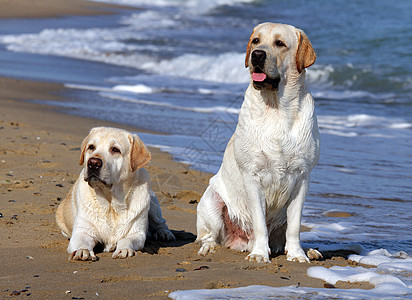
114 46
137 89
351 125
212 109
362 124
151 20
95 44
319 75
108 46
223 68
200 6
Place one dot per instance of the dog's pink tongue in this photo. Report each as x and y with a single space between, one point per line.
258 77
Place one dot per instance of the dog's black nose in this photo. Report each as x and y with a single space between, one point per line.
94 164
258 57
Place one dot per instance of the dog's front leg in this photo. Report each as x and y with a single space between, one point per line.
83 241
134 240
257 208
293 248
128 246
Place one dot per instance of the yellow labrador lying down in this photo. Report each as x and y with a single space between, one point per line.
254 203
111 203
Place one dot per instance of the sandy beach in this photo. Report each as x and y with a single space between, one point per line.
39 153
49 8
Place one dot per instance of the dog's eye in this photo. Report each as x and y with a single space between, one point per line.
255 41
115 150
280 44
91 147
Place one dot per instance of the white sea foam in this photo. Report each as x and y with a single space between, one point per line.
387 290
386 261
319 75
342 231
106 45
137 89
224 68
329 93
110 45
325 231
102 45
348 274
141 2
205 91
200 6
229 68
88 87
150 20
392 273
386 284
361 124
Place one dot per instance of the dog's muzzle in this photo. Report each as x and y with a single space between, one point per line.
258 58
260 79
94 166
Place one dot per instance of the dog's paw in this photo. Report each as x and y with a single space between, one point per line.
259 258
164 235
314 254
207 247
296 254
301 259
83 254
123 253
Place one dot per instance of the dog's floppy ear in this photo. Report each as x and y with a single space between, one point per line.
248 50
83 146
306 55
139 154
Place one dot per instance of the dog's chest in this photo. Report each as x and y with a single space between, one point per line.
277 185
279 159
111 224
287 141
277 154
108 218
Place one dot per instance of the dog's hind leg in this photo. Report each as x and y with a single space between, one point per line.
157 224
277 239
209 221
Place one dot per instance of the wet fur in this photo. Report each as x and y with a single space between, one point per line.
254 203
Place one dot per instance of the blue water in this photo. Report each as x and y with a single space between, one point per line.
177 67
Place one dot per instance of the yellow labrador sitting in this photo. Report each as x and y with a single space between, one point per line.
111 203
254 203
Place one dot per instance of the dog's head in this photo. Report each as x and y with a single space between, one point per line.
274 52
110 155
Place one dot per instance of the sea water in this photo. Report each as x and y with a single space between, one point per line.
177 68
